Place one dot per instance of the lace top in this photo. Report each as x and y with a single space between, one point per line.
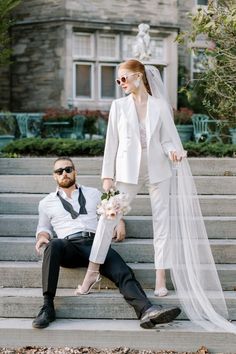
143 138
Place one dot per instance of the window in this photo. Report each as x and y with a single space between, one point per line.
83 45
108 47
107 81
83 80
127 49
157 49
202 2
199 61
95 60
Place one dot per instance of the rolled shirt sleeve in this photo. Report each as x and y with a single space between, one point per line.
44 223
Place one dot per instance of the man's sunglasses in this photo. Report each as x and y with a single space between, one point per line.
67 169
124 78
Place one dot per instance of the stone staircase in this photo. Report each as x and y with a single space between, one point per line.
104 319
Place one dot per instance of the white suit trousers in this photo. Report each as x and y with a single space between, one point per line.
159 195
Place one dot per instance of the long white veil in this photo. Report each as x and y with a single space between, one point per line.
193 271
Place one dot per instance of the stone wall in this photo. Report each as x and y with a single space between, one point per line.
37 74
4 88
155 12
33 10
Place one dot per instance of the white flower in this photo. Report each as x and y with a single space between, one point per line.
113 203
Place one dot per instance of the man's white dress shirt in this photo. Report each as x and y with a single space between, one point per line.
53 216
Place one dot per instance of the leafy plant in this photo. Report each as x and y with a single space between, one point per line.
190 93
7 124
183 116
6 7
217 23
59 114
55 147
68 147
62 114
206 149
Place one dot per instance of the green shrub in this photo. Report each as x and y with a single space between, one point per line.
206 149
69 147
53 146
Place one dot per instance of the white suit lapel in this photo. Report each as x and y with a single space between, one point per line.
153 114
131 115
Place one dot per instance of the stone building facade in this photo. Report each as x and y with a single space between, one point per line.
67 51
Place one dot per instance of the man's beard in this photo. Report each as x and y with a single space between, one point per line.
67 182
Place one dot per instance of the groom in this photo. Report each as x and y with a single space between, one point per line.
71 212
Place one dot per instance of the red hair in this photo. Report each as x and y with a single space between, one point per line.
136 66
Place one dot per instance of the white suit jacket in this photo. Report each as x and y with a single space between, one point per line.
123 150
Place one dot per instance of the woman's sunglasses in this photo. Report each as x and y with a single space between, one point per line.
124 78
67 169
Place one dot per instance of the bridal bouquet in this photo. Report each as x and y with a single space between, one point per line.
112 203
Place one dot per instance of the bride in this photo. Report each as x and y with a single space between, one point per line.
144 148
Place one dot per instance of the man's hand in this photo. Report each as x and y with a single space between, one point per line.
119 232
42 239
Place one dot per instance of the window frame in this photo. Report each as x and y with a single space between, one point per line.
83 98
117 47
200 5
92 46
192 72
100 98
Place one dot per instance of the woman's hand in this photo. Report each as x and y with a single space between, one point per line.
119 232
107 184
174 157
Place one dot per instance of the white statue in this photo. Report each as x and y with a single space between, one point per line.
141 48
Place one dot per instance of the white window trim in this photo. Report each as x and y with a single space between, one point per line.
152 61
162 61
100 98
83 98
117 47
197 6
192 72
92 44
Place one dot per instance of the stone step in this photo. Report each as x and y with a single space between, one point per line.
28 274
45 184
213 205
92 165
22 249
108 304
136 226
216 227
182 336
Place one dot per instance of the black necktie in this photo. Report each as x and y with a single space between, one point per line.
68 207
82 202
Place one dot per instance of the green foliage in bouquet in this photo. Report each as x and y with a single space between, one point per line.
109 194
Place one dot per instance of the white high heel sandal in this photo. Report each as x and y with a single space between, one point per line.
79 291
161 292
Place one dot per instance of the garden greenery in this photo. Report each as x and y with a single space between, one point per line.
6 6
69 147
217 24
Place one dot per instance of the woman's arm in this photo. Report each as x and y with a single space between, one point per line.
165 139
111 146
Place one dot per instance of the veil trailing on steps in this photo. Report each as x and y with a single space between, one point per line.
193 270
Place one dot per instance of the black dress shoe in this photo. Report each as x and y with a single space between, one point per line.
157 315
45 316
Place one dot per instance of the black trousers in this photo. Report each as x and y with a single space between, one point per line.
75 253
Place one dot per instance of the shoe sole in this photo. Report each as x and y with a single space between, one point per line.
34 325
163 316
